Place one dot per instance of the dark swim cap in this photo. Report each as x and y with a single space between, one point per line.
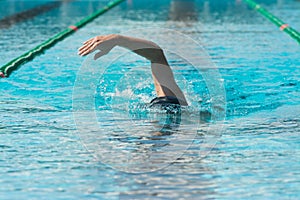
164 100
168 103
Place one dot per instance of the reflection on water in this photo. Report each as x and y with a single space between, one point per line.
146 139
190 10
183 10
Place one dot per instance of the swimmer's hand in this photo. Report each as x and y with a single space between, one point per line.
103 43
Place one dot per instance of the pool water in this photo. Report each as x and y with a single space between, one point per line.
52 149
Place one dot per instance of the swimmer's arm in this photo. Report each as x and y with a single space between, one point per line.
163 77
162 74
144 48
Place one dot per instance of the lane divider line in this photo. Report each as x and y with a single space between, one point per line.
11 20
75 28
8 68
282 26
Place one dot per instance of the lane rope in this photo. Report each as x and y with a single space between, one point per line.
282 25
11 20
8 68
75 28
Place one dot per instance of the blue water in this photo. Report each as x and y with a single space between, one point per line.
50 150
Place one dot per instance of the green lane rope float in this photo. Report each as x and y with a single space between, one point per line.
282 26
14 64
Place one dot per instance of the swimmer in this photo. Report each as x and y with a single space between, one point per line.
167 90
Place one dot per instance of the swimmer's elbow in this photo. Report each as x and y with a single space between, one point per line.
159 57
154 55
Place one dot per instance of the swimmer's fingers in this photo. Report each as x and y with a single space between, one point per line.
92 39
88 41
88 48
84 50
103 43
95 39
85 46
91 48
